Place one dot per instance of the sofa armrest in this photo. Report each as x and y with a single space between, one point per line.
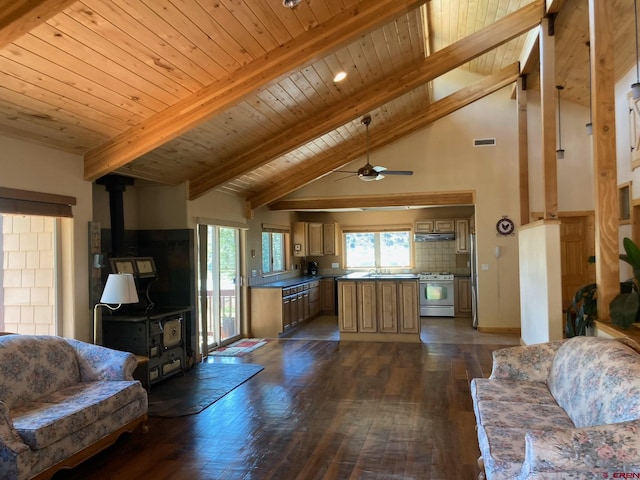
529 362
15 455
102 363
600 449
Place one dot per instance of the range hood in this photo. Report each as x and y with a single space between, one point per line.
434 237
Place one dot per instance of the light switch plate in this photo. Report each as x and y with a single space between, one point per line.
485 266
335 265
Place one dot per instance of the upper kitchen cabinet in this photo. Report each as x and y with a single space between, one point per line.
315 239
436 226
462 235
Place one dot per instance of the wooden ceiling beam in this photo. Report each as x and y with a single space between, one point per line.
374 201
220 95
301 176
372 97
18 17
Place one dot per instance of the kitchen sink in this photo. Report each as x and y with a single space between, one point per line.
392 276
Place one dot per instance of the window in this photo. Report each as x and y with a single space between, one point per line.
273 252
378 249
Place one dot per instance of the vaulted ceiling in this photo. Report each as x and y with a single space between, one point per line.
238 95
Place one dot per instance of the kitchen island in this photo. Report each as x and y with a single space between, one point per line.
379 307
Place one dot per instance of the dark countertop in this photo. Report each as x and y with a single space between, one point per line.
289 282
369 276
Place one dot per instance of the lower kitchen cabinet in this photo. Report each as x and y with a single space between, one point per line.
328 296
378 310
462 295
275 309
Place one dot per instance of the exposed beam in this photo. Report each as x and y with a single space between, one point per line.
372 201
529 56
554 6
372 97
18 17
220 95
355 149
602 21
548 101
523 152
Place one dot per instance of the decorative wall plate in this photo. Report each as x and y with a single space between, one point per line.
505 226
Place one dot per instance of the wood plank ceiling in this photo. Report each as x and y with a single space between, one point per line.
238 95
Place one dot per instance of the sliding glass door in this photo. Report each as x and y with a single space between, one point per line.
219 285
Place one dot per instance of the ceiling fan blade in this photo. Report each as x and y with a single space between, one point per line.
346 176
379 168
344 171
398 172
380 177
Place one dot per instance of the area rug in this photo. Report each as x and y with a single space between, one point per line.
240 348
198 388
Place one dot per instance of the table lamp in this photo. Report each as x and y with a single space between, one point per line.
120 289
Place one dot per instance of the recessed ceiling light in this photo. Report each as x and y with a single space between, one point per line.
290 3
339 77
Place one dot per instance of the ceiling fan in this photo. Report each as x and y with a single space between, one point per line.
368 172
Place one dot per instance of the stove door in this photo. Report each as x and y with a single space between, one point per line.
437 292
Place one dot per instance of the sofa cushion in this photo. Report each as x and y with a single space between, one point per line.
68 410
502 451
521 415
34 366
511 391
596 381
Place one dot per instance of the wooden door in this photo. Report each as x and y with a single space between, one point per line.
315 239
408 307
576 245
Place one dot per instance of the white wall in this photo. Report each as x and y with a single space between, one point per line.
28 166
540 282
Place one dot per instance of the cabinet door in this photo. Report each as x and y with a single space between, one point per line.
462 235
327 296
387 293
445 226
304 311
408 307
347 311
424 226
315 239
293 310
463 296
299 239
286 313
367 315
330 239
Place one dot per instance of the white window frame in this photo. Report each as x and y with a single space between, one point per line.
377 230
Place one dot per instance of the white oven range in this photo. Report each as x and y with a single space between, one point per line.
436 294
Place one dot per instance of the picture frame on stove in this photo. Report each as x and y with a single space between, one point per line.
123 265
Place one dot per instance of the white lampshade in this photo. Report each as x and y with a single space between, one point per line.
120 288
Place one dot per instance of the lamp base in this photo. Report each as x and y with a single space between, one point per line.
635 90
560 154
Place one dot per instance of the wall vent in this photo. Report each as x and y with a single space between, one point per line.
484 142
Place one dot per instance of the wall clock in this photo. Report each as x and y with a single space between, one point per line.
505 226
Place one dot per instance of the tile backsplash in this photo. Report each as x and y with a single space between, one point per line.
440 257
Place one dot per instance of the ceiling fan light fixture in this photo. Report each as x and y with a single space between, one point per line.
291 3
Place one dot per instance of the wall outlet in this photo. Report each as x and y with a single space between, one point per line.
484 266
335 265
254 273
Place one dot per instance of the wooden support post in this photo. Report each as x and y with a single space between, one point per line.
548 102
523 150
601 30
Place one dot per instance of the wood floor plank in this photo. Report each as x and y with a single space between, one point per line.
322 409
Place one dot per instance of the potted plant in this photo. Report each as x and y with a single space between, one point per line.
625 307
582 311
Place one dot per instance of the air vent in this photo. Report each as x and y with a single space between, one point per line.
484 142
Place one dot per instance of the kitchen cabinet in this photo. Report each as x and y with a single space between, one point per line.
367 312
276 309
378 310
331 239
387 293
462 295
347 306
435 226
462 235
408 309
315 239
328 296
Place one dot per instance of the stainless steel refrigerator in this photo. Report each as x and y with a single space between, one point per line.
474 279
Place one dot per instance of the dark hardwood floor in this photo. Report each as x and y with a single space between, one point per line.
323 409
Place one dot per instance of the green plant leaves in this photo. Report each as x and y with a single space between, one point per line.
624 309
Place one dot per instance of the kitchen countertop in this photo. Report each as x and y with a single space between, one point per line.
289 282
384 276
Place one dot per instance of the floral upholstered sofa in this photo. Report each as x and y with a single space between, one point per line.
61 401
560 410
